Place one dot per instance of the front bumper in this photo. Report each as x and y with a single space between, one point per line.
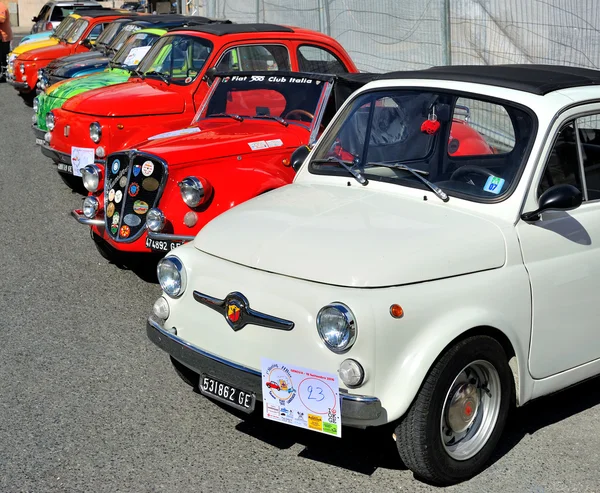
39 134
19 86
56 156
169 237
356 408
81 219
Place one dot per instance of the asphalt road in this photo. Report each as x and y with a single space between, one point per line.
87 403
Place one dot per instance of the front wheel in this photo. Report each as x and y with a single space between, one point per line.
75 183
456 420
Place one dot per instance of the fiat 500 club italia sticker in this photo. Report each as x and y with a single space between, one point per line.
301 397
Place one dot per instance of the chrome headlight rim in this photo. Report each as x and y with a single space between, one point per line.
36 105
173 286
95 132
155 220
91 176
192 191
50 121
90 207
22 68
350 326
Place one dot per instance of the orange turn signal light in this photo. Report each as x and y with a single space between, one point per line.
396 311
120 126
286 162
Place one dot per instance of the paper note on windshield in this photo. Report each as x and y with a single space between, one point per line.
301 397
135 55
80 158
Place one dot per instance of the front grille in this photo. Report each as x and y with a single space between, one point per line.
132 187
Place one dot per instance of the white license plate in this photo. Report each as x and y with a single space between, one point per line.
228 394
39 142
65 168
162 246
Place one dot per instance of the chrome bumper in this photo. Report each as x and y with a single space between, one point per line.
81 219
168 237
56 156
38 132
19 86
354 407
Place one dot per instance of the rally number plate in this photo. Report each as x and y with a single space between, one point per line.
240 399
162 245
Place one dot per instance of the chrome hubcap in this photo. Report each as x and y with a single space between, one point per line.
470 410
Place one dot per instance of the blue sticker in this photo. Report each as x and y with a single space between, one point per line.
136 169
494 184
116 165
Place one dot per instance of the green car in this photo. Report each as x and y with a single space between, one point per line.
119 70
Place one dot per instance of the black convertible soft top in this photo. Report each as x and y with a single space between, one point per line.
535 79
225 29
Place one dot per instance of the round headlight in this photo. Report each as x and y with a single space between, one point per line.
95 132
337 327
155 220
50 120
192 191
171 276
161 308
91 176
90 207
22 68
36 104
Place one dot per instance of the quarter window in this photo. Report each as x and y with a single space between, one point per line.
255 58
563 163
319 60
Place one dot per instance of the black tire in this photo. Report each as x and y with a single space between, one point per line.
190 377
75 183
419 435
28 97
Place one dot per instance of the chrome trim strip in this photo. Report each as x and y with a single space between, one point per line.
80 218
167 237
246 315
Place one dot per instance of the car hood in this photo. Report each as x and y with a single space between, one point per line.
355 237
130 99
68 69
223 138
68 89
48 53
79 58
35 45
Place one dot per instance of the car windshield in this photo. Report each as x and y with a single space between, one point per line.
77 30
119 41
64 27
281 98
176 59
136 47
108 35
470 147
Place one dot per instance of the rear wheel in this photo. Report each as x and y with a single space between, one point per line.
456 420
190 377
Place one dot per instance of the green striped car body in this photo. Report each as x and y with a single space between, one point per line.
55 96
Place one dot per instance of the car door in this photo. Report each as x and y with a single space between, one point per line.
561 251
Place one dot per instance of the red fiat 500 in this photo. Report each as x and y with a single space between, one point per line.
170 84
84 32
239 146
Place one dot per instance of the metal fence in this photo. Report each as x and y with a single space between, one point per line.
385 35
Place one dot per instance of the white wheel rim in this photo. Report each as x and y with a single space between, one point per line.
470 410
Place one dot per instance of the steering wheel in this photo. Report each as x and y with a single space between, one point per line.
470 169
300 112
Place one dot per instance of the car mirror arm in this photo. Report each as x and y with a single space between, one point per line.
557 198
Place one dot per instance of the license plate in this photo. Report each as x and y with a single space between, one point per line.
223 392
162 245
39 142
65 168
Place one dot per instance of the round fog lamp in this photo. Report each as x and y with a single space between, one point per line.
90 207
337 327
50 121
91 176
192 191
171 276
95 132
352 373
155 220
48 137
161 308
100 152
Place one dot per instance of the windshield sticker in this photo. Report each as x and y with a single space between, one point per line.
275 143
135 55
175 133
264 78
494 184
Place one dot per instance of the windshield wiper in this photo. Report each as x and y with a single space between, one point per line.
354 172
165 77
228 115
278 119
434 188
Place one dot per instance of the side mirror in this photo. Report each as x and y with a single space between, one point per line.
557 198
34 19
299 156
86 42
209 76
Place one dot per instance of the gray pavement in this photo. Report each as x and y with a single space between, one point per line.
87 403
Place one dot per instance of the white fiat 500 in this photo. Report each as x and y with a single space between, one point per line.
434 263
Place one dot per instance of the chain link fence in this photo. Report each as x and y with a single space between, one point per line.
386 35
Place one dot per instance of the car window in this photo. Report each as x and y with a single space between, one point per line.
59 13
563 163
136 47
109 34
381 133
319 60
123 36
44 12
95 32
254 58
64 27
77 30
588 128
